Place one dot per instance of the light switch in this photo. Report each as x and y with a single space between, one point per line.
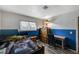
70 32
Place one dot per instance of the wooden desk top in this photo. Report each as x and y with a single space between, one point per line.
61 37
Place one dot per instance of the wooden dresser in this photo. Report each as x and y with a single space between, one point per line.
44 35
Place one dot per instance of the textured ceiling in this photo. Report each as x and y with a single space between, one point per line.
38 11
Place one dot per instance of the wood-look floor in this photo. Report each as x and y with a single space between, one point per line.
55 50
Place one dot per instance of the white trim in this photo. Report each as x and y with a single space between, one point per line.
77 41
72 50
77 37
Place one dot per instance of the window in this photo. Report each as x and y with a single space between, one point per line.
27 26
32 25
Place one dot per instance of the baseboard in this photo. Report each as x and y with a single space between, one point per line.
73 51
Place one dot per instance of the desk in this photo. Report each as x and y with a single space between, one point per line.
61 38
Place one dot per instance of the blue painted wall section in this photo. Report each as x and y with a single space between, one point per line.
15 32
9 32
29 33
66 32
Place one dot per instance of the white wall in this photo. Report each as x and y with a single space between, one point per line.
66 21
12 20
0 19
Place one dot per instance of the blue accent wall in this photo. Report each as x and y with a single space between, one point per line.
15 32
29 33
71 37
9 32
0 32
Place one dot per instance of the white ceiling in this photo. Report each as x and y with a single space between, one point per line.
38 11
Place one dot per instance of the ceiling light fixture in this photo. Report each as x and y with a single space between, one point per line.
45 7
